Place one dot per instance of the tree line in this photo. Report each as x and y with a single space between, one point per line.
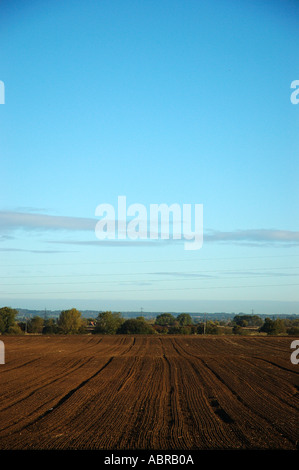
71 322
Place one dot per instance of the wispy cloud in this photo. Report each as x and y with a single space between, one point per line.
4 238
12 221
255 237
24 250
31 209
115 243
188 275
224 274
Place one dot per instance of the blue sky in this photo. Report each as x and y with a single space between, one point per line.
183 102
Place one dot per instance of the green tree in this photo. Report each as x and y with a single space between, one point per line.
70 322
200 328
163 330
186 330
208 328
174 330
15 330
279 326
108 323
7 319
293 331
179 330
273 327
136 326
50 327
247 320
184 319
238 330
35 325
212 328
165 319
242 323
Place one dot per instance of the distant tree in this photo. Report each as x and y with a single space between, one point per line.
163 330
180 330
193 329
208 328
7 319
247 320
186 330
293 330
290 322
35 325
255 320
174 330
239 330
70 322
165 319
184 319
212 328
108 323
50 327
279 326
242 323
136 326
268 326
200 328
273 327
15 330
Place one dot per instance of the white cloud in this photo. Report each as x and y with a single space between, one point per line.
10 221
253 236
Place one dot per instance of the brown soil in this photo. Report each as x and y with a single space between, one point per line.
148 392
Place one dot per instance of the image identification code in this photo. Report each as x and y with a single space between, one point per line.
158 459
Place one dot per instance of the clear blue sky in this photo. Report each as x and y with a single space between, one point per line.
166 101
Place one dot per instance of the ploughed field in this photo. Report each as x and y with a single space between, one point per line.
148 392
